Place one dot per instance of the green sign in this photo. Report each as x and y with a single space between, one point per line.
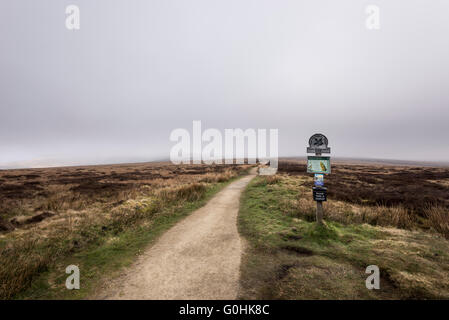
316 164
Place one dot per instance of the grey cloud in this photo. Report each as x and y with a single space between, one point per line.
136 70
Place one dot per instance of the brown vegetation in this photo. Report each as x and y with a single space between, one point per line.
402 197
46 214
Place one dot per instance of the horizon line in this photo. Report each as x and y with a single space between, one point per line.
385 161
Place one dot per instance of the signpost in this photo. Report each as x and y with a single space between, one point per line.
319 165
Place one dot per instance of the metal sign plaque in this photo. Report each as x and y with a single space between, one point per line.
319 194
318 144
316 164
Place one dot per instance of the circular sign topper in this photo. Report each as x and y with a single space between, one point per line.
318 143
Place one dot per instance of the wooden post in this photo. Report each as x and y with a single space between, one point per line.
319 212
319 204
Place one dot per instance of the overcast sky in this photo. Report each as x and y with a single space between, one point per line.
115 89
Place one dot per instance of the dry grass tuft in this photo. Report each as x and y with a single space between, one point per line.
218 177
397 217
305 208
189 192
269 180
438 218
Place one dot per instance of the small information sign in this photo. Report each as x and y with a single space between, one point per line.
316 164
319 180
319 194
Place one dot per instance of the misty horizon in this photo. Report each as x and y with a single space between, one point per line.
52 163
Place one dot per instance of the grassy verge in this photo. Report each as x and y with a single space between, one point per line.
290 257
114 245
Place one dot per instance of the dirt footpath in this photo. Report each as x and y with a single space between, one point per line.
198 258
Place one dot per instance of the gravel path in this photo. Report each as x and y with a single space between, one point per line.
198 258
